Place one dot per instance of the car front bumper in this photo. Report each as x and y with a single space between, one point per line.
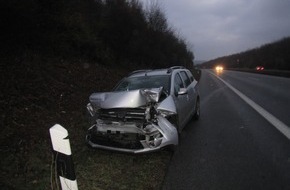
130 138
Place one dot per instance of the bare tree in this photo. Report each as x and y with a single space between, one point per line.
155 16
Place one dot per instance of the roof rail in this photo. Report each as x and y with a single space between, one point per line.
177 67
174 67
139 71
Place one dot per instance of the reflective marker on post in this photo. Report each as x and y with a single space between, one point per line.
63 157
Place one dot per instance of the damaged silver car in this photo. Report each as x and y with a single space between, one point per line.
145 111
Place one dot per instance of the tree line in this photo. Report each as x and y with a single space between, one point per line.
109 32
274 56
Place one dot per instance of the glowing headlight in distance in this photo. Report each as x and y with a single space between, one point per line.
219 68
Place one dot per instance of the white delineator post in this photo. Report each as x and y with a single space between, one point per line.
63 157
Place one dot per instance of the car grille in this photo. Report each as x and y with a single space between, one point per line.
128 141
122 114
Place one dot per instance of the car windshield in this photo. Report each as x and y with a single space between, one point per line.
144 82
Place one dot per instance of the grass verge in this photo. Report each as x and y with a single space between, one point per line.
38 93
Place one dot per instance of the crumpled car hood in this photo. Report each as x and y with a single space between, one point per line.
132 99
125 99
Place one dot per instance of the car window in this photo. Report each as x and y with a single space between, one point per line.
135 83
185 78
177 83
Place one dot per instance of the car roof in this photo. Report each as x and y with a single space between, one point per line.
155 72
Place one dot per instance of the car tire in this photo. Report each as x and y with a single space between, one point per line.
197 110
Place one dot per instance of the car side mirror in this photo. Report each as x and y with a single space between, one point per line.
182 91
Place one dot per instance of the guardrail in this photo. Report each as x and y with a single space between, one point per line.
280 73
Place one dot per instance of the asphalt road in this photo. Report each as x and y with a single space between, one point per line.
233 146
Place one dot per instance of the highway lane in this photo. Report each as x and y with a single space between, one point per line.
232 146
270 92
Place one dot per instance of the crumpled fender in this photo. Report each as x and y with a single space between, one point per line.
169 132
167 105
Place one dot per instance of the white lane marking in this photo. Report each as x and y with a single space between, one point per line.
283 128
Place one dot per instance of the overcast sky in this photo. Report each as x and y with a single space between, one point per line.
215 28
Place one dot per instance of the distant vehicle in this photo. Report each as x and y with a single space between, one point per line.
259 68
219 68
145 111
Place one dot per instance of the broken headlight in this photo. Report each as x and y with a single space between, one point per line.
153 137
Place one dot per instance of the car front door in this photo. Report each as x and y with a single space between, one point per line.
190 93
181 101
